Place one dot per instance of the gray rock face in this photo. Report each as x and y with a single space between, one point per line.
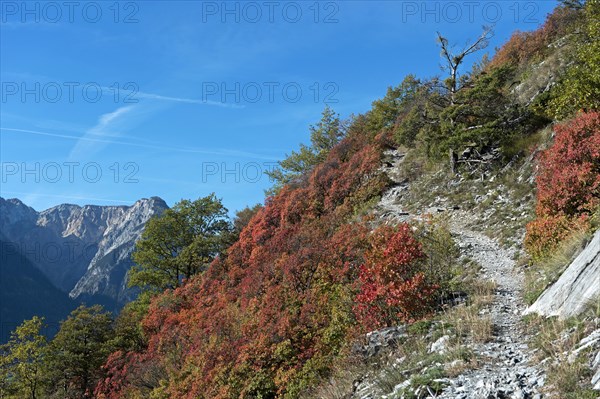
84 251
107 272
596 377
576 287
15 215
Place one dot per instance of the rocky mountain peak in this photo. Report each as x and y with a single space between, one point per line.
91 244
13 211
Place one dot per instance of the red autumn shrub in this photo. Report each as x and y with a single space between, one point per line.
116 377
568 180
270 316
393 286
127 373
568 184
525 46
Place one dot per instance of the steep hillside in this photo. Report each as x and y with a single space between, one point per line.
396 252
330 257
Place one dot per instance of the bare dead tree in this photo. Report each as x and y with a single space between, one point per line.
452 63
454 60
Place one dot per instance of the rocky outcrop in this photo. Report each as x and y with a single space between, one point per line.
570 295
15 214
380 340
84 251
576 287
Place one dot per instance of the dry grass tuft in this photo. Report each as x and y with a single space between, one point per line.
470 323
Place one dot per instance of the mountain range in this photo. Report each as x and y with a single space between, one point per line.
57 258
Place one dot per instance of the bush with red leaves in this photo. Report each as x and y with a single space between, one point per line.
270 317
522 47
568 184
393 286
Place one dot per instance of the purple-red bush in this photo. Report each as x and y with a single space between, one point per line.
523 47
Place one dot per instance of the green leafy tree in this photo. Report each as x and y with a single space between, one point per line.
78 351
180 243
326 133
580 87
21 364
323 137
129 334
5 377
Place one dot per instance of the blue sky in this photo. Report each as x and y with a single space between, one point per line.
105 103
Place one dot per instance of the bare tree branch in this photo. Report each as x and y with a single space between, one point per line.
455 60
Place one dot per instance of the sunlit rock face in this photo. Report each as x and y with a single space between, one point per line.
576 287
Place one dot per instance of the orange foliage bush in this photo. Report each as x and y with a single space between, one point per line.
523 47
568 183
546 232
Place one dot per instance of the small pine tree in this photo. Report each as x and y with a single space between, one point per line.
323 137
78 351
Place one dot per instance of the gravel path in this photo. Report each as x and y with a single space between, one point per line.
505 368
505 371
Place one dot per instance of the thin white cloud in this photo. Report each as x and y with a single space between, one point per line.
152 96
188 100
108 118
155 146
58 135
105 127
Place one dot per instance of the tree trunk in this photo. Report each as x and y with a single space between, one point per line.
453 161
